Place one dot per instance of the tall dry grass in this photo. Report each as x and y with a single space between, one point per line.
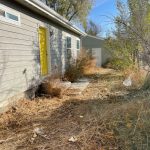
137 76
50 87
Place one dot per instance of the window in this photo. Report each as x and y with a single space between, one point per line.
8 15
12 17
68 42
68 46
78 44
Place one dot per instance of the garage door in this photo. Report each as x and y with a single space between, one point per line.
96 52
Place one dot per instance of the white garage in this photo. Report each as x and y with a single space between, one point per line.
95 45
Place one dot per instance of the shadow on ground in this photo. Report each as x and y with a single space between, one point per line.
98 122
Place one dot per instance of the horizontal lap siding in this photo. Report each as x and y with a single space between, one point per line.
10 34
10 67
14 65
17 29
19 51
23 78
58 49
15 77
19 56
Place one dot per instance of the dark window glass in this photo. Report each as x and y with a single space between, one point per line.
78 44
68 42
12 17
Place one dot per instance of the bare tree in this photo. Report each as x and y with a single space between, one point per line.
77 10
134 24
92 28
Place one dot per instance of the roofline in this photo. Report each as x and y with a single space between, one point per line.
96 37
51 14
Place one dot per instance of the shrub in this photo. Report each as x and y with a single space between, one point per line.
50 87
137 75
118 64
72 73
75 69
146 83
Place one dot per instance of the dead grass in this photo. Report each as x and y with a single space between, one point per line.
137 76
112 118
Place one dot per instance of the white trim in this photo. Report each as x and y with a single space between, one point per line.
68 35
95 37
77 39
10 11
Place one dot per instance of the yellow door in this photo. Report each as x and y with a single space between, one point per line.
43 51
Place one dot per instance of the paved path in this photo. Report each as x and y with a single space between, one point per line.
78 87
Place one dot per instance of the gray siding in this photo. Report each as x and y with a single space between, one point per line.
20 54
89 43
19 51
58 49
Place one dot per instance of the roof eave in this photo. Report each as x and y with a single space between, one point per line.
96 37
44 10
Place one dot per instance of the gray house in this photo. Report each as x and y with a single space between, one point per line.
95 45
34 42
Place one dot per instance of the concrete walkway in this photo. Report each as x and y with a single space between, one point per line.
78 87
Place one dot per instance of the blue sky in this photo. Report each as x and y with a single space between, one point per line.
99 12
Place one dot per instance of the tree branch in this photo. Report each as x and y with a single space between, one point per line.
71 17
67 12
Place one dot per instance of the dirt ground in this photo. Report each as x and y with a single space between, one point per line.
107 116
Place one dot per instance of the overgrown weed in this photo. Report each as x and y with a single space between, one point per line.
76 69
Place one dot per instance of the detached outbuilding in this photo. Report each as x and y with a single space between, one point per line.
35 42
95 45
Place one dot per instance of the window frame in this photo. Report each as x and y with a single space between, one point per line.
68 49
7 11
68 36
78 40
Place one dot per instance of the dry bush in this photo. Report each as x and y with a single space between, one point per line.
137 76
91 67
146 84
77 68
73 73
117 64
50 87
